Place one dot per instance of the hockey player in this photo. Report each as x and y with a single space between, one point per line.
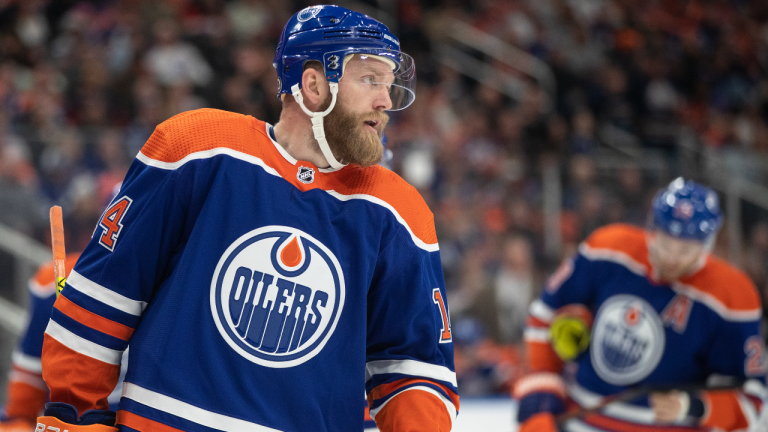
663 313
263 275
27 393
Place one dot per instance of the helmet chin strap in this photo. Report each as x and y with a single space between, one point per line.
317 122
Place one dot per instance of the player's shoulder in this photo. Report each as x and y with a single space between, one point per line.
731 288
43 283
203 130
387 189
617 242
616 236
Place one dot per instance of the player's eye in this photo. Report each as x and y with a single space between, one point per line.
368 79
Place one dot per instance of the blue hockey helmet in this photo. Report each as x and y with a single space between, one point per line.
687 210
331 35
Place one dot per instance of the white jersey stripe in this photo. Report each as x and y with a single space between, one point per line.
207 154
27 362
579 426
429 247
409 367
189 412
716 305
536 335
601 254
619 410
707 299
540 310
81 345
15 375
448 404
105 295
42 291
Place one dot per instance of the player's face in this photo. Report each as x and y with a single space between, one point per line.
673 257
356 124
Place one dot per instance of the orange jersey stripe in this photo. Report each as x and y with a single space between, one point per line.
24 401
386 389
140 423
76 379
414 411
532 321
732 288
92 320
541 357
724 411
207 129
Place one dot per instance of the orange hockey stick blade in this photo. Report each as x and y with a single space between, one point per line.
57 243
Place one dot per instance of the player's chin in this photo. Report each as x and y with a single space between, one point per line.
367 152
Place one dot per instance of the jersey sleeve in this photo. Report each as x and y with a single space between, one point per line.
741 338
410 375
571 284
126 259
27 392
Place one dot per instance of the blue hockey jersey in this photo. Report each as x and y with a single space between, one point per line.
648 332
258 292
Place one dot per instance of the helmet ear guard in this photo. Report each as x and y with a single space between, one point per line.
317 122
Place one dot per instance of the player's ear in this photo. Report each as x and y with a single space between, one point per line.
314 88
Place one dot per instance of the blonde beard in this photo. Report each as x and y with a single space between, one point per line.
349 142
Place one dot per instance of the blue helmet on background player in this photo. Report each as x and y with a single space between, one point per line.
331 35
687 211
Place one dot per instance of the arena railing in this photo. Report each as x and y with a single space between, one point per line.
28 253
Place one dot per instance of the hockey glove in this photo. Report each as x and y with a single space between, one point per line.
61 416
570 331
541 422
17 425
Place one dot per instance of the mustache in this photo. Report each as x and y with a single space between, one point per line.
380 116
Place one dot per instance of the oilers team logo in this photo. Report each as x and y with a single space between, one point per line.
627 340
277 295
305 175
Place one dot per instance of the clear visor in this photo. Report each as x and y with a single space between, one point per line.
387 71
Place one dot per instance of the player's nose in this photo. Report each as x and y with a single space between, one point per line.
383 100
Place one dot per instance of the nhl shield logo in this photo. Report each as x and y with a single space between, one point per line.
306 175
627 340
277 295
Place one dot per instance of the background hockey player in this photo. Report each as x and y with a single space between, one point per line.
264 275
665 313
27 393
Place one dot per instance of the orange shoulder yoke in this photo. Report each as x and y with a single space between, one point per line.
726 283
381 183
626 239
201 130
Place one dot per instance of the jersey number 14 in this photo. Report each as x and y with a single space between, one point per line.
112 222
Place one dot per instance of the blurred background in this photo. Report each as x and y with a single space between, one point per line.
535 122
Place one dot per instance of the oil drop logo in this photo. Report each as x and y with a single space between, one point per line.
277 295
